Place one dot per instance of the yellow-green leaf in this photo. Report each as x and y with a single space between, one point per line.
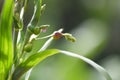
32 61
6 49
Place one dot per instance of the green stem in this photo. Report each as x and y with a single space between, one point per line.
25 4
26 39
15 46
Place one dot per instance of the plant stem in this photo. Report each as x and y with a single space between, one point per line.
15 46
26 39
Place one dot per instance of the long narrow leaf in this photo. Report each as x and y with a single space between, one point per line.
6 49
36 58
92 63
32 61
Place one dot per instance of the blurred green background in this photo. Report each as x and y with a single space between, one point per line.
96 26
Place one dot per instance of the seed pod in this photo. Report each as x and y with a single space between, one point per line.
36 30
17 23
28 47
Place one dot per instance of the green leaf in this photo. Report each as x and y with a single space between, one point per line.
36 58
37 12
92 63
32 61
6 49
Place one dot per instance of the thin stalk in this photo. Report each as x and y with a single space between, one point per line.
26 39
28 32
15 45
25 4
22 11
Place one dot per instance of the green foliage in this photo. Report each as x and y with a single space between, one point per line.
6 48
37 12
32 61
13 68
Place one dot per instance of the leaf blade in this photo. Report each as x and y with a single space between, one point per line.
6 49
90 62
44 55
32 61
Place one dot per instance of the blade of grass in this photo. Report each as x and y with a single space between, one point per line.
92 63
6 49
32 61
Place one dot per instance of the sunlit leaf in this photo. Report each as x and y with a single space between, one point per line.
92 63
6 49
32 61
36 58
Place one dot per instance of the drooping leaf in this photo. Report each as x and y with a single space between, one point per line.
36 58
92 63
6 49
32 61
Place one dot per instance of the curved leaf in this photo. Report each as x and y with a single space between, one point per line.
36 58
92 63
32 61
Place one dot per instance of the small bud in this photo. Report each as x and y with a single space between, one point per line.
28 47
43 8
17 23
43 28
57 35
69 37
36 30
